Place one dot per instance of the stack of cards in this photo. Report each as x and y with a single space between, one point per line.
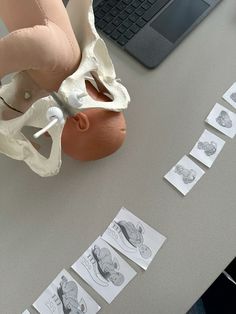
186 173
102 267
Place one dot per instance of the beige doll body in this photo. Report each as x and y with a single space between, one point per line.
43 48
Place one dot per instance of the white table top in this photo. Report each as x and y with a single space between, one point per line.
46 224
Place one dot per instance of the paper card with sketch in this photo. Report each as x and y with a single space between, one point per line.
104 270
134 238
26 312
230 95
184 175
207 148
65 296
223 120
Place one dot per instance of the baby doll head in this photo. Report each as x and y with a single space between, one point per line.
93 134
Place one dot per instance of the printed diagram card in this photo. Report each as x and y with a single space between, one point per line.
223 120
104 270
207 148
230 95
184 175
134 238
65 295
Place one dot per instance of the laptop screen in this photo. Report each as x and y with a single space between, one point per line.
178 17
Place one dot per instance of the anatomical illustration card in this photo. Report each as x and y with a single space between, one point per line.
184 175
230 95
104 270
223 120
134 238
65 296
207 148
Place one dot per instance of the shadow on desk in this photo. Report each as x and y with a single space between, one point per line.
220 298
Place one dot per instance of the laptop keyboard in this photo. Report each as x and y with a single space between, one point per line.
122 19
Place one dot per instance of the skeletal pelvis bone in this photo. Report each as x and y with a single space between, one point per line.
72 96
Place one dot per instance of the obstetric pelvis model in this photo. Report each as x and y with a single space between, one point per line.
64 84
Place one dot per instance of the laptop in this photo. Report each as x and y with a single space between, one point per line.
150 29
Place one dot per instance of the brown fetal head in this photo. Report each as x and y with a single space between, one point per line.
93 134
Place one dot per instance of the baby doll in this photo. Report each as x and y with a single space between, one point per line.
43 49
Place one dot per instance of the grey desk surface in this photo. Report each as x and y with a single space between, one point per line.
46 224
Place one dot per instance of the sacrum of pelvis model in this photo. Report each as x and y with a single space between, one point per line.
49 113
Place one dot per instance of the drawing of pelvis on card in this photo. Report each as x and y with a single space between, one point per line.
66 299
129 237
102 267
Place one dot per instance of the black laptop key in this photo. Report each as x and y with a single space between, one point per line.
99 14
123 15
134 17
141 22
114 11
121 6
122 40
136 3
128 34
106 8
129 9
109 28
108 18
140 11
127 23
122 28
134 28
117 21
101 4
115 34
101 24
146 5
154 9
112 2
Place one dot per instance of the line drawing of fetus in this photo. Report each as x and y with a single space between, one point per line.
189 175
233 97
68 294
224 120
107 266
116 233
134 235
91 266
209 148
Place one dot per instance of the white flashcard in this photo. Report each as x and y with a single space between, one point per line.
223 120
230 95
133 238
184 175
207 148
65 295
26 312
104 270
